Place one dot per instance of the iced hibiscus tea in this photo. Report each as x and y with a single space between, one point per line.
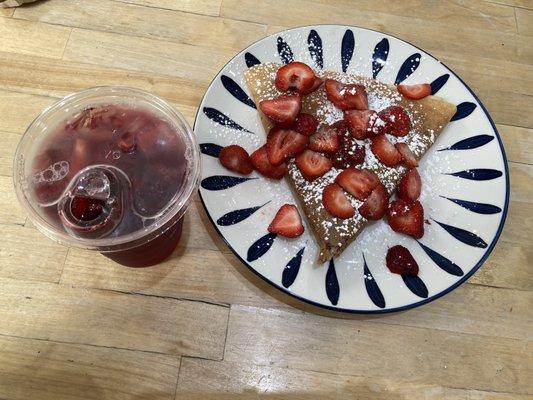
109 171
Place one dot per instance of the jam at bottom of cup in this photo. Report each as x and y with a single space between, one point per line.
152 252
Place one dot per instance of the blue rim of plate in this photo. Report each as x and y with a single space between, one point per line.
412 305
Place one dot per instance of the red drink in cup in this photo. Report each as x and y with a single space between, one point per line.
110 169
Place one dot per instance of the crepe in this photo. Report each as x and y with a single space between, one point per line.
428 116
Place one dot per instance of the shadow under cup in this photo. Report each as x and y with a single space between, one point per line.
110 169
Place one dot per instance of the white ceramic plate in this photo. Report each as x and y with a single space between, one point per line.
465 180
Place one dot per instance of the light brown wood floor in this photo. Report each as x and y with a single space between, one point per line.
73 325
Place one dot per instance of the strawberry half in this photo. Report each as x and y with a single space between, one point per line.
287 222
363 124
312 164
295 76
336 202
358 182
375 206
261 164
415 92
316 84
346 96
396 119
385 151
406 217
408 157
326 140
400 261
305 124
283 144
236 159
410 186
282 109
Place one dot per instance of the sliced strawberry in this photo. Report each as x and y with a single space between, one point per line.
363 124
316 84
349 154
305 124
346 96
341 127
410 186
326 140
287 222
336 202
408 158
236 159
295 76
283 144
396 119
385 151
358 182
282 109
261 164
415 92
400 261
375 206
407 217
312 164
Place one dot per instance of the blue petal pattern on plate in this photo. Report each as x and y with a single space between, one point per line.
210 149
221 182
438 83
372 287
470 143
220 118
236 91
347 46
251 60
408 67
479 208
464 236
315 48
260 247
463 110
442 262
284 51
415 285
379 56
236 216
290 272
332 284
477 174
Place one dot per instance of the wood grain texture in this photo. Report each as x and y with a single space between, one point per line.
10 211
8 145
40 369
104 318
75 325
33 38
207 7
524 19
131 19
27 254
20 109
302 341
205 379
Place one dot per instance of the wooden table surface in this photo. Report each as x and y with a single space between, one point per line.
74 325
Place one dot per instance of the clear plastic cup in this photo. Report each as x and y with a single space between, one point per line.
111 169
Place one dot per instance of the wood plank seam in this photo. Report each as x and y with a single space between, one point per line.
91 345
133 293
172 9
